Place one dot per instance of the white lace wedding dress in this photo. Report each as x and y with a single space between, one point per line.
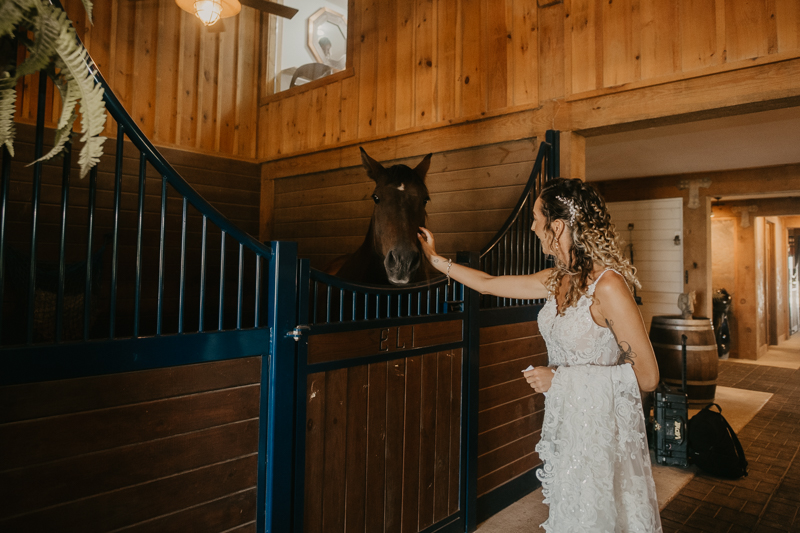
596 475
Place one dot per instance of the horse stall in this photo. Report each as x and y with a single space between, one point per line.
164 370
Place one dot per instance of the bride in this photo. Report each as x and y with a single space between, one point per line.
596 475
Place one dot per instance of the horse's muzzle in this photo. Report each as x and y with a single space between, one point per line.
401 265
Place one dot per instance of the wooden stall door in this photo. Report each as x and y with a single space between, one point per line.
383 418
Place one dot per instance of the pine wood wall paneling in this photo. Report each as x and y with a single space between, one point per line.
787 14
524 58
405 54
472 92
425 62
150 52
207 93
621 37
124 46
225 134
188 88
581 32
448 49
167 73
145 49
386 68
698 34
247 69
494 53
660 38
749 28
333 95
370 13
552 53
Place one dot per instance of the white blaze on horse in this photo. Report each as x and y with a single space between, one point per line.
390 252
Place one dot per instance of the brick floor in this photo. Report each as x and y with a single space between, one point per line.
768 499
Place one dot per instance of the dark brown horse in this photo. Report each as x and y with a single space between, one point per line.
390 252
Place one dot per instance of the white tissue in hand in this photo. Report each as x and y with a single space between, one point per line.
530 367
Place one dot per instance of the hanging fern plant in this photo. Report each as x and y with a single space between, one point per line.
55 49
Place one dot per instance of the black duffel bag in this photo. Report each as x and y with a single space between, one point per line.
714 446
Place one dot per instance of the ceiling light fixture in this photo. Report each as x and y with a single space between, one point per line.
210 11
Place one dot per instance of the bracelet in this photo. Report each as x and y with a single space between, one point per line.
449 264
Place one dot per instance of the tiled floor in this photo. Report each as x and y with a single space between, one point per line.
768 499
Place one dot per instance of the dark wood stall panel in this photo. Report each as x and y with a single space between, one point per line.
156 450
510 412
383 445
472 193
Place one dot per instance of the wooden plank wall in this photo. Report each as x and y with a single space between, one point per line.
158 450
383 445
427 65
472 193
231 186
185 85
510 412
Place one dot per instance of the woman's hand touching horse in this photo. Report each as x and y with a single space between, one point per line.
526 287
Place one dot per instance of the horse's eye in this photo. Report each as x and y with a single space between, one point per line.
375 197
426 201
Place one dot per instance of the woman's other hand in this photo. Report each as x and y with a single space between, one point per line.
427 243
540 378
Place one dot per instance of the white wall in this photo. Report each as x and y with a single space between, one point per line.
658 261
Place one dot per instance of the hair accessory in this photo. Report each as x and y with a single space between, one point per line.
573 209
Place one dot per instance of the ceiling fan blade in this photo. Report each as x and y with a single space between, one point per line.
271 7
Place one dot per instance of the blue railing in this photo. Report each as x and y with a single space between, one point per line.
515 249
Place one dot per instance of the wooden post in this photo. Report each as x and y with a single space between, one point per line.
573 155
697 254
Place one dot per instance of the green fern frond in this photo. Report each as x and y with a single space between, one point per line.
8 96
47 26
67 119
81 84
12 13
90 154
87 5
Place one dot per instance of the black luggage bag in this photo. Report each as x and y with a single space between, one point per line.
671 414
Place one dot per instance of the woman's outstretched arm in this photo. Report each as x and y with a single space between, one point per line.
528 287
618 311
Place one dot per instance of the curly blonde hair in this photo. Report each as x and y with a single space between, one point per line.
594 239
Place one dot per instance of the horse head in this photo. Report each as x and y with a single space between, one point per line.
400 197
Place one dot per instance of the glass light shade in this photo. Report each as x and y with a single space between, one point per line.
210 11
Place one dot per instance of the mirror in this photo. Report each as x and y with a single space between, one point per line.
327 38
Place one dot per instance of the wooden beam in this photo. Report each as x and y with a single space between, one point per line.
766 207
573 155
766 86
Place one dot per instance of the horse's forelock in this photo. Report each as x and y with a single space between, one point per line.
403 176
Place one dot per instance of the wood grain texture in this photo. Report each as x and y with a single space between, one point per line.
141 450
380 453
510 413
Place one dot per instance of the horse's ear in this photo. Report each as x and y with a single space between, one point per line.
424 165
374 168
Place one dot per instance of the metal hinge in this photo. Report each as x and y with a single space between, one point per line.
297 332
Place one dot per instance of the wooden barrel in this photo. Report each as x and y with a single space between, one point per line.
702 360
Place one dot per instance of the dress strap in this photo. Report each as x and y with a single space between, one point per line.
590 289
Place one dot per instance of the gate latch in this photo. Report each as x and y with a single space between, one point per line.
297 332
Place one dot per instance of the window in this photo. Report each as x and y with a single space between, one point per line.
310 46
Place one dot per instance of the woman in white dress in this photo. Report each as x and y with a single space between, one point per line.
596 475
